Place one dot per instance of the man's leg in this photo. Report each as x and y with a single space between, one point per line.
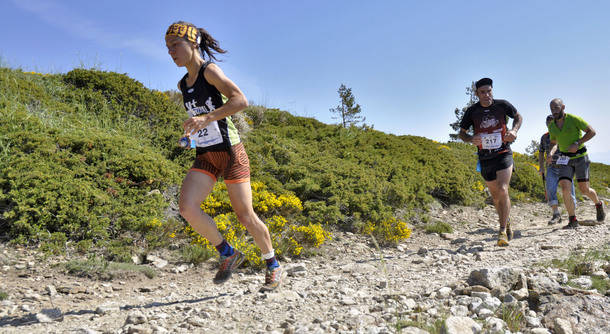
566 191
499 193
581 166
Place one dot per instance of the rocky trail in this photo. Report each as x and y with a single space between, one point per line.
462 281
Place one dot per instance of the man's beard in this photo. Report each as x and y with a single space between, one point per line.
559 115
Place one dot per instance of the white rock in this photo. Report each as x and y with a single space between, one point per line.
533 322
485 313
540 330
459 310
444 292
495 325
460 325
583 282
562 326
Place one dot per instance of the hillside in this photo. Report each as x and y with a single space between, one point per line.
90 239
90 157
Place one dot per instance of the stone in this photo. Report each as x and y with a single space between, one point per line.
485 313
542 284
520 294
136 318
460 325
196 321
583 282
296 268
105 309
495 325
562 326
132 329
532 322
444 292
459 311
495 277
413 330
540 330
156 261
51 290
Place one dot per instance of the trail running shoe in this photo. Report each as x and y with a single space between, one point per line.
601 215
573 224
502 239
227 265
509 231
556 219
273 278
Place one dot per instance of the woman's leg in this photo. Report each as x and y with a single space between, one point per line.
195 188
240 195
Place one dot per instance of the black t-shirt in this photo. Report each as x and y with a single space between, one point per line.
490 122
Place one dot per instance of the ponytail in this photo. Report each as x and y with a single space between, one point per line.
208 44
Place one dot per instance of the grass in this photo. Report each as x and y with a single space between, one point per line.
98 268
195 254
434 328
438 227
512 316
3 295
576 264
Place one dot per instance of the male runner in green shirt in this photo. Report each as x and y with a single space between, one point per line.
566 135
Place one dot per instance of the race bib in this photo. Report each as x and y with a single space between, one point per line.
491 141
208 136
563 160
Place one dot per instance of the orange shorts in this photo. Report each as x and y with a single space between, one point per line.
233 165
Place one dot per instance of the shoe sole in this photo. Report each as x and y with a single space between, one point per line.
502 243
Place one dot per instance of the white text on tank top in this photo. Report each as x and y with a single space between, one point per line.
490 140
210 135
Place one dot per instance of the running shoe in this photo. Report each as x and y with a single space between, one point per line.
509 231
502 238
556 219
227 265
601 215
573 224
273 278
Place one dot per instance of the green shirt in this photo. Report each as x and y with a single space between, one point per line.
572 129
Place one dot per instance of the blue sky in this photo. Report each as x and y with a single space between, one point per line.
408 62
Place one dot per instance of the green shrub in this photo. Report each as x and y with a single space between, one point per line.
195 254
438 227
98 268
3 295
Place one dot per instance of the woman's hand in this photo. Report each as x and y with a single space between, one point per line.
196 123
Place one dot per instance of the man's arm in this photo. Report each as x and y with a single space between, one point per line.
511 135
540 162
475 140
552 150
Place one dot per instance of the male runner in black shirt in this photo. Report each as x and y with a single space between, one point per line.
489 118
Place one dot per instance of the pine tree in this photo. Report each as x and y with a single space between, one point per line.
348 112
459 113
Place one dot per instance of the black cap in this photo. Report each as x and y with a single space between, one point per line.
483 82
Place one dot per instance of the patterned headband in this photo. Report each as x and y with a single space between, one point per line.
182 30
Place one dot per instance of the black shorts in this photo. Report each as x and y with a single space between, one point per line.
489 167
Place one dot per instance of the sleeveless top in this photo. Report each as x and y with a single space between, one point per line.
203 98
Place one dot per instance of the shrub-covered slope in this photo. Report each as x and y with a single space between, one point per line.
82 152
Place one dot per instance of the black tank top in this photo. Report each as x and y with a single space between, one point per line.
203 98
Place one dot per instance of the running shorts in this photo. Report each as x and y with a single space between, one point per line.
489 167
232 165
578 167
